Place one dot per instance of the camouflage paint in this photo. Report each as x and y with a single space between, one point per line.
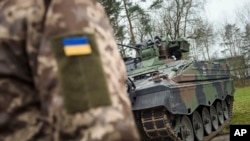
183 87
189 94
210 93
202 71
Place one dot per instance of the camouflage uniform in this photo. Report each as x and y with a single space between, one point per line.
32 106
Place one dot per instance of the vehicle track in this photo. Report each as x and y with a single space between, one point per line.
158 126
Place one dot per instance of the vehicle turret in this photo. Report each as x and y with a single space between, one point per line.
176 99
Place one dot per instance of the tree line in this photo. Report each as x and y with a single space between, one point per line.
136 21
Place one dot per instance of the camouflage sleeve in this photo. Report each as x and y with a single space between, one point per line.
20 33
81 70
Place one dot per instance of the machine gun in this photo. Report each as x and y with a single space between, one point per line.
171 49
175 95
159 48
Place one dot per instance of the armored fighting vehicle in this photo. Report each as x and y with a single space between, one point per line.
175 99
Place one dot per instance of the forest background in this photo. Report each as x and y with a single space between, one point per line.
216 29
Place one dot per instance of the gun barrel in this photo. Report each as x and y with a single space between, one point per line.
128 46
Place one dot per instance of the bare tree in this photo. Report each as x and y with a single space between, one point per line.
233 41
133 14
179 16
231 36
243 15
203 39
128 15
143 28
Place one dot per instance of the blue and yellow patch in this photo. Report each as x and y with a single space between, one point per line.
76 46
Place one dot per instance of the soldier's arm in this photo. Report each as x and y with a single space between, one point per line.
80 68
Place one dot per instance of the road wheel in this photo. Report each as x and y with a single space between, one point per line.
187 133
214 117
206 120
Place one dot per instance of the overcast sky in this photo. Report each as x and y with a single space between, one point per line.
220 11
217 11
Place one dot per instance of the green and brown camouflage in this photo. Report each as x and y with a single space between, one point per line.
153 55
180 99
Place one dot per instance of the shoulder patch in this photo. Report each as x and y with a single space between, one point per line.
76 46
80 72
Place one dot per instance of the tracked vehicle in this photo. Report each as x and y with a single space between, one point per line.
174 99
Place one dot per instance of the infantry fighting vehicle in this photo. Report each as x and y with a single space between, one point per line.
174 99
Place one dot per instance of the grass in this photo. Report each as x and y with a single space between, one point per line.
241 108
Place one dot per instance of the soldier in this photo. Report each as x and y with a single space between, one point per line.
61 76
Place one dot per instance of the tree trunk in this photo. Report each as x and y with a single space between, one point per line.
132 38
186 16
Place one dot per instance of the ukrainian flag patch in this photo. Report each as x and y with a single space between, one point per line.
76 46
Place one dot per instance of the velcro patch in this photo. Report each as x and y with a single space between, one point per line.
76 46
81 77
